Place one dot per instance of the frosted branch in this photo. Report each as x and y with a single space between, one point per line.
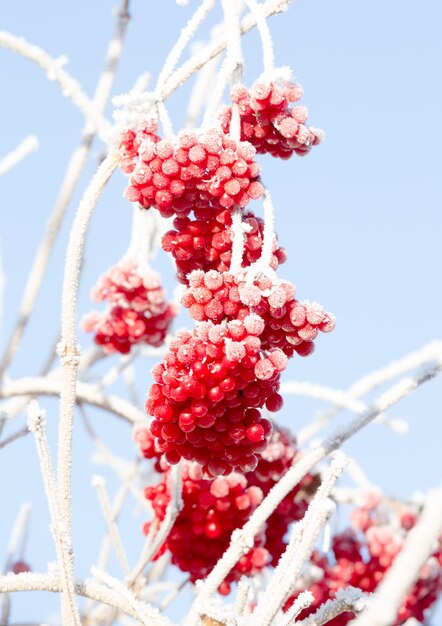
269 8
303 601
114 534
69 184
153 544
348 599
383 607
70 87
24 149
264 33
241 539
36 424
90 589
300 547
187 33
364 385
340 399
85 393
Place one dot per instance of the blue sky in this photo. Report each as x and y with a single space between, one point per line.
360 216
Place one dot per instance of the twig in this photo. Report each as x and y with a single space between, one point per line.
303 601
114 534
188 69
85 393
173 508
239 543
187 32
347 599
36 424
68 349
90 589
264 33
299 548
339 398
14 436
238 241
24 149
373 380
68 187
54 70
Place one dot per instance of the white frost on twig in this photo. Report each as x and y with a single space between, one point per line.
24 149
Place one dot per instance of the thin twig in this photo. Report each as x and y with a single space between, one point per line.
70 87
24 149
70 182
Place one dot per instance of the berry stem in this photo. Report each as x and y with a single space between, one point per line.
268 54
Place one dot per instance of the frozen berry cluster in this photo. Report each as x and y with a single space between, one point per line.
214 508
137 313
211 170
201 533
205 242
283 322
269 122
362 554
207 394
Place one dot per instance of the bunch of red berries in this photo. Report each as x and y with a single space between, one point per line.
201 533
268 122
177 176
138 311
205 243
212 509
284 322
207 393
362 556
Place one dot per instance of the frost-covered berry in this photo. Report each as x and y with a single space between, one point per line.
283 322
206 398
206 242
137 309
212 510
269 122
192 171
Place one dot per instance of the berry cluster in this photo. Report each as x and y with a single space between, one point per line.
207 171
205 243
138 311
207 393
131 140
201 533
283 322
361 556
214 508
268 122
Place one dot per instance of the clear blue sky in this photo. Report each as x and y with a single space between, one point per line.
360 216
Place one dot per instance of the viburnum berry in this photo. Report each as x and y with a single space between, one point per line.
145 442
137 312
206 242
130 141
207 394
189 172
19 567
212 510
361 557
268 122
279 319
